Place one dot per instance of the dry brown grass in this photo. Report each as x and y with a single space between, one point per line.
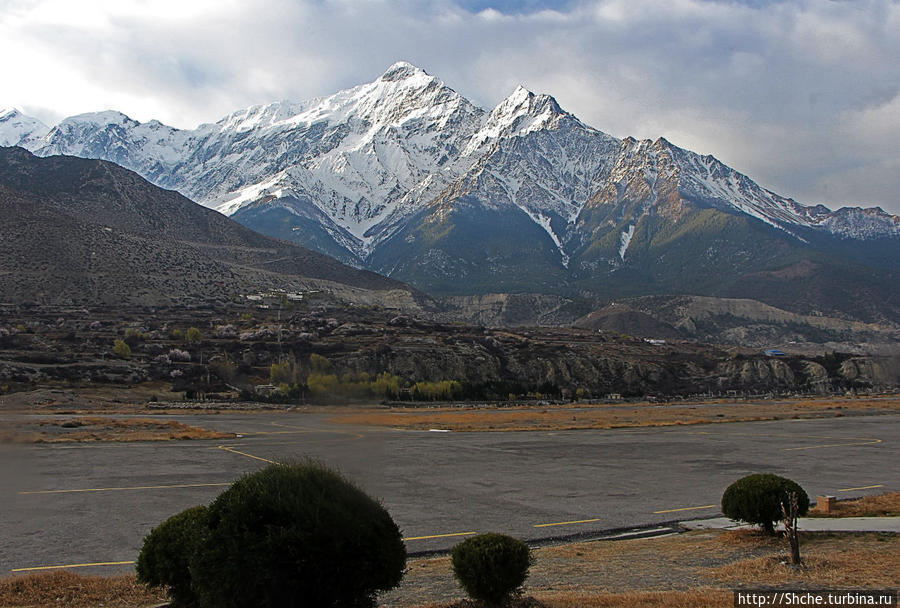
694 569
686 570
701 598
839 561
881 505
97 428
571 417
64 589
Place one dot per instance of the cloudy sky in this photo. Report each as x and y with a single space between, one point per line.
802 95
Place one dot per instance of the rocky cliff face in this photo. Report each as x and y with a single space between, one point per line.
40 345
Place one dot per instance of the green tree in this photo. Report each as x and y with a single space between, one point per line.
193 335
319 364
164 560
757 499
286 371
296 535
321 385
386 386
491 567
121 349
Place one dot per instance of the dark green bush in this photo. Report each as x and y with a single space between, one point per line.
165 555
296 535
757 499
491 567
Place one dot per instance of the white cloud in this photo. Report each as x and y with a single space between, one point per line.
799 94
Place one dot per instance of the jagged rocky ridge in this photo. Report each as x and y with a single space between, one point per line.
406 177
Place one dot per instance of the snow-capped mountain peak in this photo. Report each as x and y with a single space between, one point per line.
403 70
102 118
358 157
520 113
18 129
351 169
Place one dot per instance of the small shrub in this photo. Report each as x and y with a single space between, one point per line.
226 331
165 556
296 535
491 567
193 335
135 335
121 349
176 354
757 499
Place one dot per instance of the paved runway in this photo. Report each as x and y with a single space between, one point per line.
93 503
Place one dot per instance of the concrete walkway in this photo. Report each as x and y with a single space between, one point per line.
807 524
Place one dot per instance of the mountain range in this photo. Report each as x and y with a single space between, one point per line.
405 177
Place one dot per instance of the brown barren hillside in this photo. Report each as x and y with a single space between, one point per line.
79 231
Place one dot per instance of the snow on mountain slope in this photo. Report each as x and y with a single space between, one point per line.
649 172
357 155
18 129
370 157
364 148
706 177
151 149
858 223
539 158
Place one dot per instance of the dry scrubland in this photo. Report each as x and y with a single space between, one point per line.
65 589
881 505
693 569
618 416
97 428
86 426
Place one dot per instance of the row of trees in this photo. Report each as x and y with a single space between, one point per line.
315 381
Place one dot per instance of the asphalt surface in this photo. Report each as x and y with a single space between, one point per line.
71 505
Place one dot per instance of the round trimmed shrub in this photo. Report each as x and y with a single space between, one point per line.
757 499
165 554
296 535
491 567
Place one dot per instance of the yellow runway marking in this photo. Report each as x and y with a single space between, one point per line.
299 430
233 451
686 509
180 485
880 485
440 535
566 523
861 441
853 440
71 566
308 430
255 433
